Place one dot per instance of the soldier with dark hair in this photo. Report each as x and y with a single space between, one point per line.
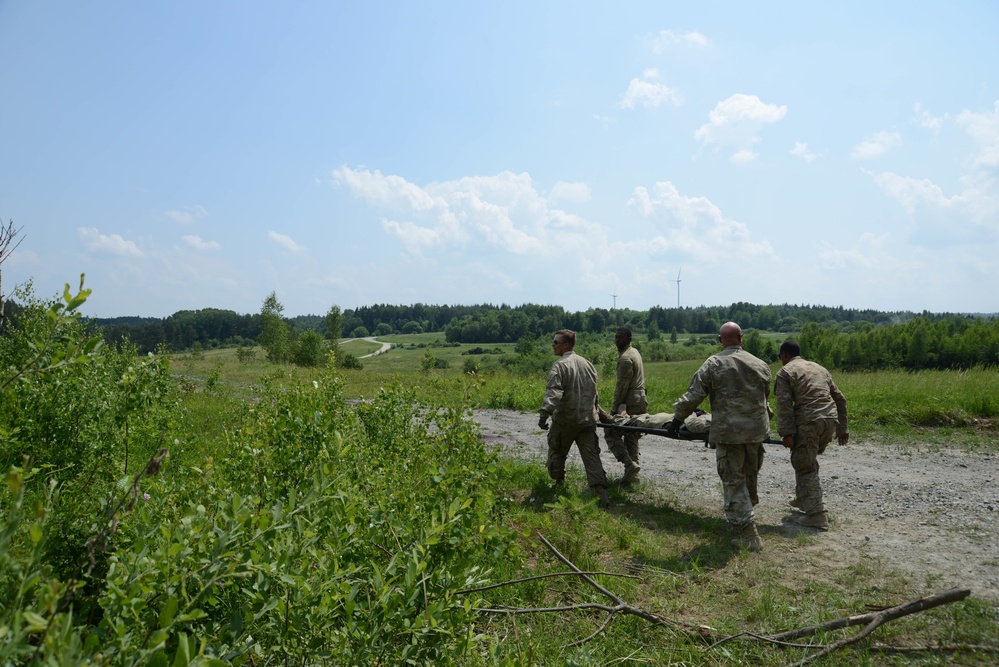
810 411
629 399
571 403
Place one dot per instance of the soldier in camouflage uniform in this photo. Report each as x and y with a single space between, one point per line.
738 385
571 403
810 410
629 399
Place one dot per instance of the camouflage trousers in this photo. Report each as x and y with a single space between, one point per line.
738 467
624 444
560 440
810 441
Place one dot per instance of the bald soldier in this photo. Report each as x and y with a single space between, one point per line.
738 386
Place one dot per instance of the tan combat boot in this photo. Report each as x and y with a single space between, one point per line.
819 520
631 471
795 503
749 538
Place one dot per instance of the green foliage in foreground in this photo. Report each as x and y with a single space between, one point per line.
311 532
289 526
319 534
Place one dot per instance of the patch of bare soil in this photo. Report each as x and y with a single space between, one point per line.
931 514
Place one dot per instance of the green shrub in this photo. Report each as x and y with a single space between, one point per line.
309 349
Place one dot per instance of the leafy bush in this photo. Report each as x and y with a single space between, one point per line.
314 533
309 349
348 360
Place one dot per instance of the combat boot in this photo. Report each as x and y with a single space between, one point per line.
631 471
749 538
795 503
819 521
602 496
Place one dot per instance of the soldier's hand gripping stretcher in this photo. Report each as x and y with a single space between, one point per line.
694 427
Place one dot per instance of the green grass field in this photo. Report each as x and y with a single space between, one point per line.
685 572
957 407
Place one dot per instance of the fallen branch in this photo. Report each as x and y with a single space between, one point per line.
936 648
541 576
881 617
871 621
619 606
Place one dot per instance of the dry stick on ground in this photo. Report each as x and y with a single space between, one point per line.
872 620
465 591
936 648
619 606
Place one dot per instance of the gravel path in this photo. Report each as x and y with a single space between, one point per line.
931 514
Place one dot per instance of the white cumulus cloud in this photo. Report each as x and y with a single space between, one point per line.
745 156
504 212
188 215
197 243
912 192
649 94
984 130
802 150
107 244
694 228
736 122
667 38
285 242
876 145
571 192
928 120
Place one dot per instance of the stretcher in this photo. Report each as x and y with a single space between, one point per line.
683 434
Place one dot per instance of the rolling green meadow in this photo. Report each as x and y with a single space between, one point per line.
214 508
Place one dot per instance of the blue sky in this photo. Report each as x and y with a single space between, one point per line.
190 155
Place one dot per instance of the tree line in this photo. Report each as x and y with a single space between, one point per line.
838 337
922 343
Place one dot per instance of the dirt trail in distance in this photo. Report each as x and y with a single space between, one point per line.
932 514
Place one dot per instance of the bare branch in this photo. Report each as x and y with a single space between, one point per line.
881 617
542 576
936 648
619 605
871 621
910 607
7 236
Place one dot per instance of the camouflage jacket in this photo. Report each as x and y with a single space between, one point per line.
571 391
738 386
806 393
630 387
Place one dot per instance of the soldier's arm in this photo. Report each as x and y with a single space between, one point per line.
842 426
625 372
785 405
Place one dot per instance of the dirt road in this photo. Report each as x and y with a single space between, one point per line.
932 514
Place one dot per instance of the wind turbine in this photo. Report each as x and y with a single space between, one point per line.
615 299
677 281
